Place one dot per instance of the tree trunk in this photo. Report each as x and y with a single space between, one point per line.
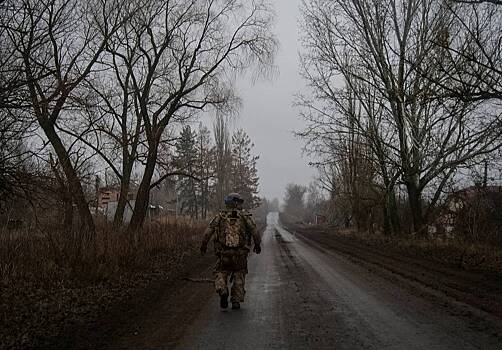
143 195
74 185
68 209
415 201
118 218
392 224
393 214
387 227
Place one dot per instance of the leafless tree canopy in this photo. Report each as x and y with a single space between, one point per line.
405 93
104 80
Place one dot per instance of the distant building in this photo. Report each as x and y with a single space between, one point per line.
320 219
162 200
492 195
164 195
485 201
112 194
108 198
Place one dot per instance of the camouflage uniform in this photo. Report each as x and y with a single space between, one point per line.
232 262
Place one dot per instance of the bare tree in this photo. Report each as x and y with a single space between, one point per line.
350 136
294 201
314 202
15 167
495 2
471 55
15 125
9 80
380 49
56 45
205 166
109 124
186 51
244 177
223 157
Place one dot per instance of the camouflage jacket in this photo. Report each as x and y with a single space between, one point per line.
248 226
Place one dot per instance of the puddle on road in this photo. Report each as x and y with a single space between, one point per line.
285 249
278 236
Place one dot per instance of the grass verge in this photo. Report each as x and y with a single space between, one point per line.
458 254
53 280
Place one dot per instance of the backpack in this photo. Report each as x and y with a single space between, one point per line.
231 230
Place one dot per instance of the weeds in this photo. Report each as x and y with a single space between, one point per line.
448 251
52 278
453 252
50 256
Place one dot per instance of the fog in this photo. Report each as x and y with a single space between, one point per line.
268 114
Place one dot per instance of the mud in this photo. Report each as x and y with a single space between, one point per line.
480 289
308 291
303 295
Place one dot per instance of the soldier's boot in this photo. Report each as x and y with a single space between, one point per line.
236 305
224 299
220 284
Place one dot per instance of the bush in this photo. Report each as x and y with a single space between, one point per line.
53 282
50 256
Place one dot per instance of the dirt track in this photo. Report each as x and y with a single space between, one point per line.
480 289
306 293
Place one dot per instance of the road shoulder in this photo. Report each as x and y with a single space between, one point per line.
155 317
481 291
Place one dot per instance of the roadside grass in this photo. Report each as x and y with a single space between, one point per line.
456 253
51 256
52 278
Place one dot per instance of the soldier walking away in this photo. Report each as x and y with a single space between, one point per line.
232 231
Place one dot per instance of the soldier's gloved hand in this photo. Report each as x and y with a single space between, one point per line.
203 249
257 249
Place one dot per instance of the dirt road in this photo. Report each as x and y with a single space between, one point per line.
301 295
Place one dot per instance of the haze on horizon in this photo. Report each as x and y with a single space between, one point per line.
268 114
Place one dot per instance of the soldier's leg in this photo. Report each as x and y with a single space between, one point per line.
238 290
221 282
221 286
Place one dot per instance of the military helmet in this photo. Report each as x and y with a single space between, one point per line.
233 199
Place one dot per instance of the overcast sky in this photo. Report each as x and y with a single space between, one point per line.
268 116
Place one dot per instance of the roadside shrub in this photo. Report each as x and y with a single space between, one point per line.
50 255
52 281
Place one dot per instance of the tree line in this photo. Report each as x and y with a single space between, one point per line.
405 99
205 172
108 82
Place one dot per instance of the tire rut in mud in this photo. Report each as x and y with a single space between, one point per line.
480 291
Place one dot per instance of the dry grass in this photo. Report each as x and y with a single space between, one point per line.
51 255
457 253
451 252
50 278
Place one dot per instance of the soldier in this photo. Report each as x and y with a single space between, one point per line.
232 230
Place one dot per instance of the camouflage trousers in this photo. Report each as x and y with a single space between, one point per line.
222 280
230 271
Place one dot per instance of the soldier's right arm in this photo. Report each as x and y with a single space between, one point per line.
253 231
209 233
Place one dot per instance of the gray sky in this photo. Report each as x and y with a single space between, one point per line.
268 116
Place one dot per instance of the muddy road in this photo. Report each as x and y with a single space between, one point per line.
303 296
